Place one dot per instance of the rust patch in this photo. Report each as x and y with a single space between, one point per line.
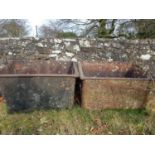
110 70
37 68
1 100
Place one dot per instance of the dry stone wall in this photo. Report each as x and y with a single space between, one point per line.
80 49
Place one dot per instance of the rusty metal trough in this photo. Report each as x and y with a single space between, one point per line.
113 85
28 85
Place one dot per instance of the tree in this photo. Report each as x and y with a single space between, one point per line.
53 29
102 28
136 28
106 28
145 28
125 28
112 28
46 31
14 28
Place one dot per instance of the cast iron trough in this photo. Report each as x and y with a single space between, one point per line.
28 85
113 85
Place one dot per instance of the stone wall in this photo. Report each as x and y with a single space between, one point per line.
139 51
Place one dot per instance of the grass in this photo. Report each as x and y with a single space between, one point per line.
77 121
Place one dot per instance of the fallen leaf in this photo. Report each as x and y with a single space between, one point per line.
43 120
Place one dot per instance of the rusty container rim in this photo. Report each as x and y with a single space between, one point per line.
83 77
74 75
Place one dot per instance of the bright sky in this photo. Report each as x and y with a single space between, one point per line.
37 21
34 22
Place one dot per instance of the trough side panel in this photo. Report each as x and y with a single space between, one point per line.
114 93
38 92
